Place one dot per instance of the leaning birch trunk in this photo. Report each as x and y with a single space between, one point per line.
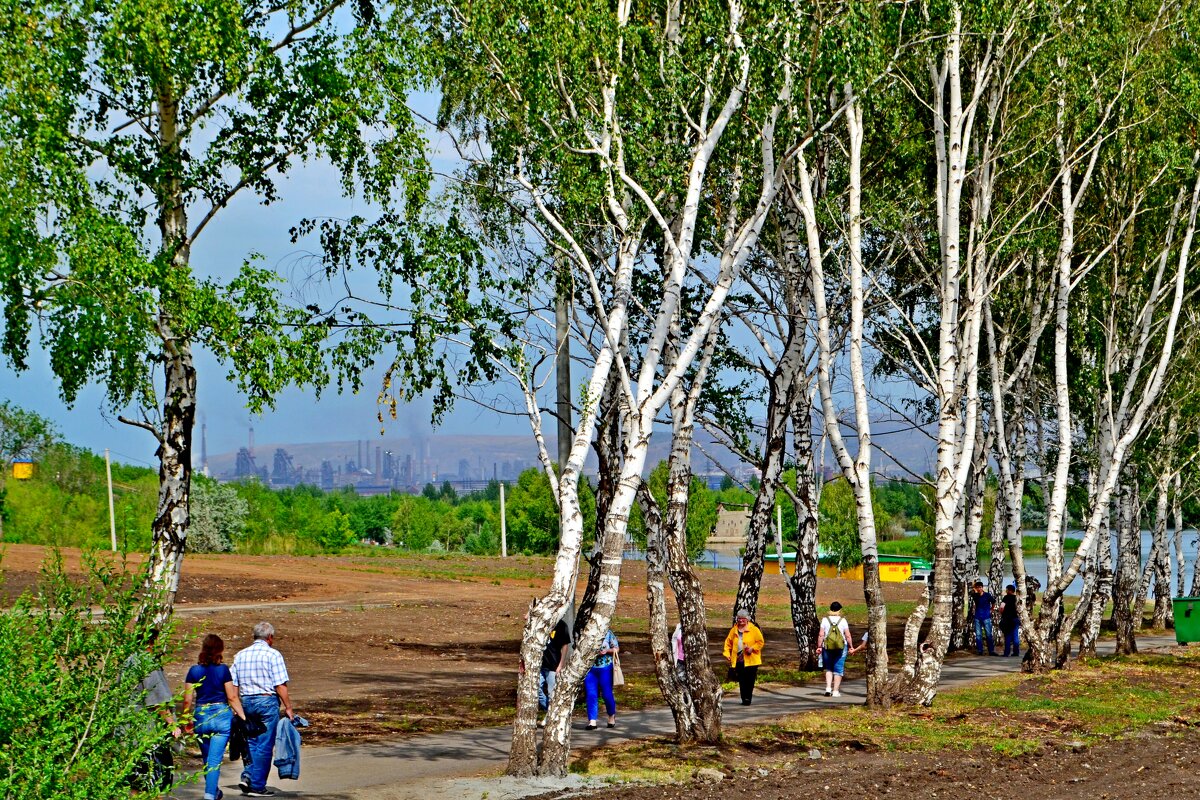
1009 436
763 509
802 583
957 374
543 615
701 687
857 468
673 690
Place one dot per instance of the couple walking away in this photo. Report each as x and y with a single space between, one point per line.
833 645
602 676
252 692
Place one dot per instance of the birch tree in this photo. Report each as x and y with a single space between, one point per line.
611 93
970 78
1137 274
126 130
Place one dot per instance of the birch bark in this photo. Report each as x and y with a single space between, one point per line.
857 467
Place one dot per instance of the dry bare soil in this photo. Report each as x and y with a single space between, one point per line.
383 645
1156 763
388 645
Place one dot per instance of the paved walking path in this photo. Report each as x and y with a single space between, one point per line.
449 765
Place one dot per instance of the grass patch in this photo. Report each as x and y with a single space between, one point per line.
1014 715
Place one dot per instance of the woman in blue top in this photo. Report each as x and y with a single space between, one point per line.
209 689
600 679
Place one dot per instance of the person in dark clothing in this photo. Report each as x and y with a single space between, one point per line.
983 620
1009 624
553 658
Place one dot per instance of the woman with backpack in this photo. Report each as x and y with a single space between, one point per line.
832 643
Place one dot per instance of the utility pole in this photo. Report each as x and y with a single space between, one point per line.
112 517
503 526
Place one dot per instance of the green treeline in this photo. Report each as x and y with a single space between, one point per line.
64 504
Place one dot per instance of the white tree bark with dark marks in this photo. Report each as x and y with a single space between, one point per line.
855 467
1126 617
646 382
174 432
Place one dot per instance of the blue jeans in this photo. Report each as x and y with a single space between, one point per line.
1013 638
597 680
982 625
546 688
213 722
262 708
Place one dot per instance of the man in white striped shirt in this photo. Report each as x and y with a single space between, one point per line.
261 677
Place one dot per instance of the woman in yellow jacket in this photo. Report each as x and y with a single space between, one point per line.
743 648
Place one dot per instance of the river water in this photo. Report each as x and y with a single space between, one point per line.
1034 565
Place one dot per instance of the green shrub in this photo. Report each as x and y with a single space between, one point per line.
335 532
71 725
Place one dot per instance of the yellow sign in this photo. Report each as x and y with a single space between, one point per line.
22 470
888 572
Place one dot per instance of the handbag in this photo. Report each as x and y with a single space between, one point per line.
618 674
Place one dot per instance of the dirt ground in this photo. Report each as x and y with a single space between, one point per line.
380 646
1159 762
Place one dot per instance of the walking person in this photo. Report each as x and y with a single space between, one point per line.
983 620
1010 624
554 656
599 679
208 689
261 677
743 649
155 771
832 642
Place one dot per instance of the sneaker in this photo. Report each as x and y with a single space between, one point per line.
837 694
244 785
264 792
828 693
591 726
542 722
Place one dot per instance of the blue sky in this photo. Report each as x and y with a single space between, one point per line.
244 227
